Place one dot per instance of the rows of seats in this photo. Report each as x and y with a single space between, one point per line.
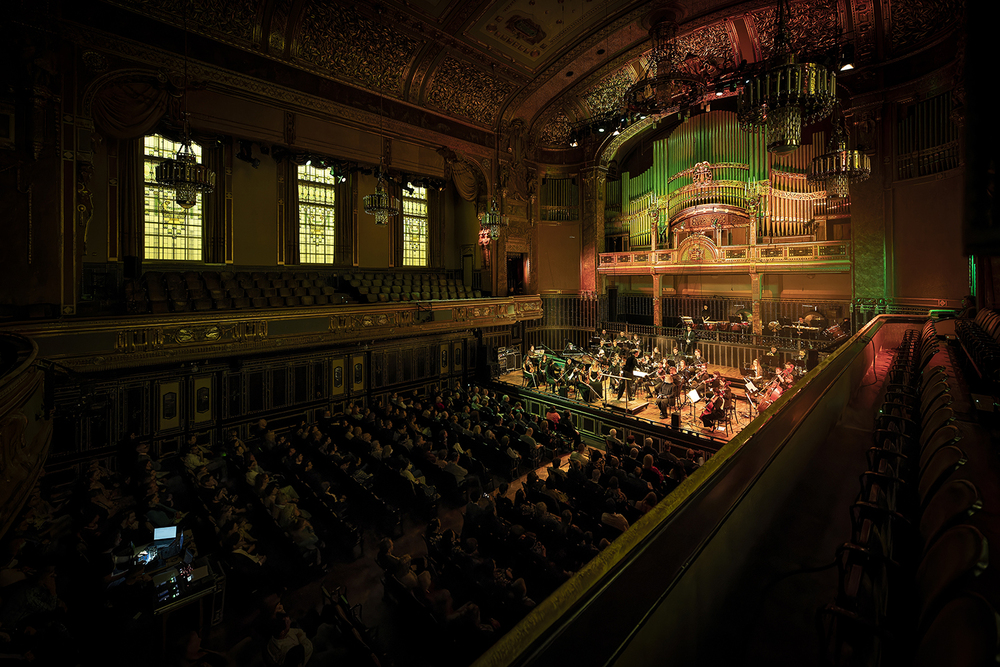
916 584
189 291
384 287
981 340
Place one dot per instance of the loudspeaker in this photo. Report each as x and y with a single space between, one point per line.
133 267
675 421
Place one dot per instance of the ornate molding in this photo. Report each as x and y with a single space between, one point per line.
465 90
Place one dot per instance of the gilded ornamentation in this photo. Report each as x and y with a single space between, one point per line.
555 129
229 21
606 96
460 88
863 13
914 21
279 25
344 43
814 26
94 61
711 44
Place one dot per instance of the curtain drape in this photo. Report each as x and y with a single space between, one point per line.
291 228
131 188
345 196
215 207
130 109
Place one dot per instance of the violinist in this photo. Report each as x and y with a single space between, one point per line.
699 361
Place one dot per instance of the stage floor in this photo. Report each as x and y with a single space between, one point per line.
689 419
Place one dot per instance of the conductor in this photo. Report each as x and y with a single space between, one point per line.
628 372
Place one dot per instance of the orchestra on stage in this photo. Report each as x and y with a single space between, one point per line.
624 366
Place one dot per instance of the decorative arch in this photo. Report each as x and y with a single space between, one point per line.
697 248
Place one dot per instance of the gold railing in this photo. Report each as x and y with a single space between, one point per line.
730 193
827 252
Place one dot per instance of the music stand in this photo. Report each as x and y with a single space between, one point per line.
694 397
751 388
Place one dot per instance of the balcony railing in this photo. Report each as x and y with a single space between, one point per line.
730 193
826 252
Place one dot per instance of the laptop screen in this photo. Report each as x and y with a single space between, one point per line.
168 533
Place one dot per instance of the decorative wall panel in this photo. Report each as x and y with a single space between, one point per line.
465 90
168 406
338 384
358 372
202 399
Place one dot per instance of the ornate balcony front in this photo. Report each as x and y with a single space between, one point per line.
700 252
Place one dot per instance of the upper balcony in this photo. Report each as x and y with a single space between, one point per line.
698 252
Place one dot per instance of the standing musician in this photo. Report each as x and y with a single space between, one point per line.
689 340
628 372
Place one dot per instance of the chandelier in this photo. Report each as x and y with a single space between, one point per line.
493 222
380 203
666 83
183 174
840 165
787 94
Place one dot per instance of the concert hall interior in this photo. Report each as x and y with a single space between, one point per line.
535 332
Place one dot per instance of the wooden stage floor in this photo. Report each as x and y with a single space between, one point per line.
688 421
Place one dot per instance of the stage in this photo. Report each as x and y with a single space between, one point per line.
645 408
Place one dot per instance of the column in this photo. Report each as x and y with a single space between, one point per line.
755 294
657 299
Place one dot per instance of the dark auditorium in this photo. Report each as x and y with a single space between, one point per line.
465 333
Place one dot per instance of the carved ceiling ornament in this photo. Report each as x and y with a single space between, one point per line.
814 26
341 41
462 89
229 21
914 21
606 96
711 43
555 129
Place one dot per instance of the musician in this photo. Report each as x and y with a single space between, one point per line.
800 363
530 378
756 374
675 357
699 361
689 340
605 339
656 356
715 411
636 343
621 340
705 318
786 375
552 373
667 392
628 372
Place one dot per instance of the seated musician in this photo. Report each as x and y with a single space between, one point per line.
605 339
551 374
800 363
675 356
715 411
636 342
787 374
656 356
530 378
756 374
699 360
665 397
622 339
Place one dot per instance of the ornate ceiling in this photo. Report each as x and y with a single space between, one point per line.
549 63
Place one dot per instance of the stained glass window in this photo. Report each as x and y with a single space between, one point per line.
171 232
317 215
415 226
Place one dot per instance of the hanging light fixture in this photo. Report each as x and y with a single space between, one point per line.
668 81
380 203
840 165
493 221
787 94
183 174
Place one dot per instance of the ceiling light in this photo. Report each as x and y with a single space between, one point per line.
600 129
840 165
615 133
846 66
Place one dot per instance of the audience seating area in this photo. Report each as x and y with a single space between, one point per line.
176 292
198 291
916 582
385 287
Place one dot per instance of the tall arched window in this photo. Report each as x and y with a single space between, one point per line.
171 232
415 226
317 215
